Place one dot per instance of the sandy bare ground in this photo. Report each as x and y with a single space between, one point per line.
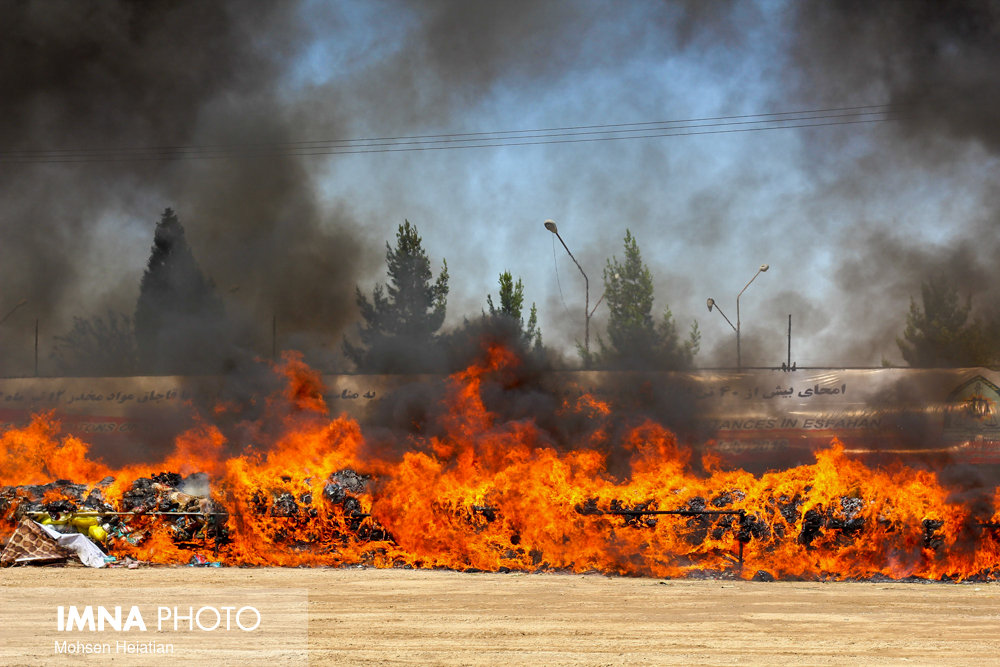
403 617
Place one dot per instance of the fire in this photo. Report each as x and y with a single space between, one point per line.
34 455
478 491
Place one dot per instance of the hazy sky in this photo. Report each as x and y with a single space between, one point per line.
851 218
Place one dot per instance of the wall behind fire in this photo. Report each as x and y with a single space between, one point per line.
741 415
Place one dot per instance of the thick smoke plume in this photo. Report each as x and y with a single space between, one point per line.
285 238
935 64
105 78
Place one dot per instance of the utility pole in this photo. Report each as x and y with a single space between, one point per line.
789 341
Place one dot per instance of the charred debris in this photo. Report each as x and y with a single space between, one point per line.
183 509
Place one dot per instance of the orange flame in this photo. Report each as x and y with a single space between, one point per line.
485 493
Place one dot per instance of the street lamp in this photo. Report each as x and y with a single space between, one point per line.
12 310
712 304
587 312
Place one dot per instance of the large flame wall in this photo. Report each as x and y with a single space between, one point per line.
476 491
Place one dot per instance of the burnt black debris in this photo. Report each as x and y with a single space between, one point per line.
343 484
28 500
284 505
301 518
753 527
932 540
194 520
727 498
343 488
171 479
790 508
848 519
140 497
96 496
298 513
588 507
485 511
812 525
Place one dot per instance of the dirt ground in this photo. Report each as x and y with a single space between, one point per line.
405 617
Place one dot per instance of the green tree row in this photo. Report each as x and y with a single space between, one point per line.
180 325
401 324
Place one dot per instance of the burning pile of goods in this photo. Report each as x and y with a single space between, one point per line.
485 493
148 505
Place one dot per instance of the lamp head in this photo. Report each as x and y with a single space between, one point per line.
551 226
711 302
764 267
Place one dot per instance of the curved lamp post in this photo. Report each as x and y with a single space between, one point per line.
13 310
712 304
587 312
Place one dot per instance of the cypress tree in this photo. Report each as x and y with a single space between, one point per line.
180 325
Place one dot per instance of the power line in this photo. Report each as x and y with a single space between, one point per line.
453 141
421 142
541 134
406 149
870 109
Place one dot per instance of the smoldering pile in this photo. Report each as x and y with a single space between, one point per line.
192 520
184 510
297 519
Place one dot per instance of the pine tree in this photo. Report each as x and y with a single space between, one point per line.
399 333
511 296
939 332
180 324
635 339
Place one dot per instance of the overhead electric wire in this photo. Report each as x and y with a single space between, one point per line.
872 109
452 141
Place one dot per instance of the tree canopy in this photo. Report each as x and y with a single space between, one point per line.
940 331
511 297
180 322
96 347
636 340
399 332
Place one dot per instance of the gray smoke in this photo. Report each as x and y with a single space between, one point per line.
284 241
120 75
935 63
933 60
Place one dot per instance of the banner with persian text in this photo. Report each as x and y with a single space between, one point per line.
753 415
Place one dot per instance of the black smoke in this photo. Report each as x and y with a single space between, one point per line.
934 63
112 80
111 77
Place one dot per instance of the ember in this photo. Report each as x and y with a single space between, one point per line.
484 493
